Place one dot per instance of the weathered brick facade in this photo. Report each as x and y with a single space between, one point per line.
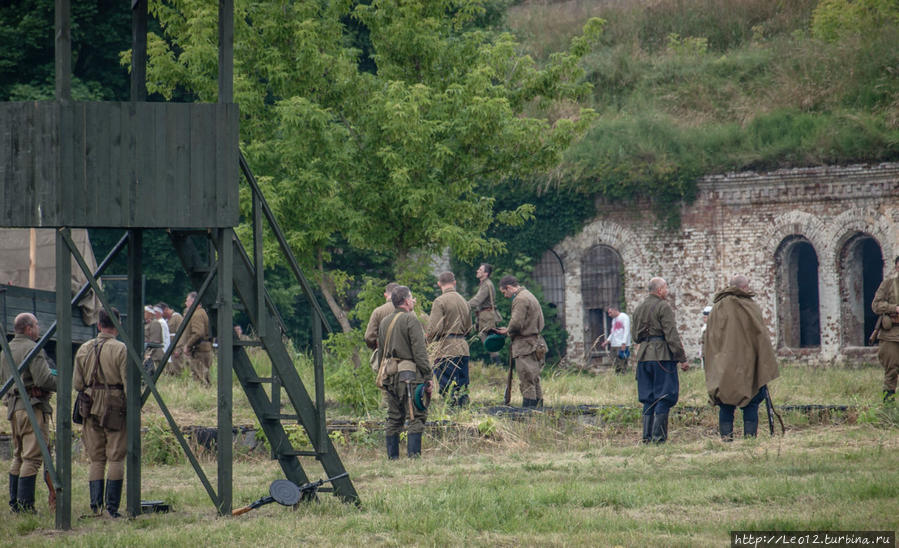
768 226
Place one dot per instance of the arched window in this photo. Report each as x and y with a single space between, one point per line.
799 314
601 286
861 271
550 274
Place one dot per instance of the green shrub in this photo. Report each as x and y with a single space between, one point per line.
159 445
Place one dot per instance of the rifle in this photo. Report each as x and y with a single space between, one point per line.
769 406
873 338
507 397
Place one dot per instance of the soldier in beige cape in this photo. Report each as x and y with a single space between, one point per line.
739 357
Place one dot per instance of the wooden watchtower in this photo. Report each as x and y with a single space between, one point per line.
141 165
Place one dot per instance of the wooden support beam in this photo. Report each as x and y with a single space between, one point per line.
63 382
132 382
63 50
224 317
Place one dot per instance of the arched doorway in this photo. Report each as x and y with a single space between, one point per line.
601 287
799 315
550 274
861 271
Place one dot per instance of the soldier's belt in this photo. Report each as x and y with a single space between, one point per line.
655 338
107 386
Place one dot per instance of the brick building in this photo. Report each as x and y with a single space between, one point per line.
814 242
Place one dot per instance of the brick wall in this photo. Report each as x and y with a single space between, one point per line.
750 223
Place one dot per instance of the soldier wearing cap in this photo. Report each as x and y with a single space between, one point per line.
448 325
100 372
403 367
528 348
40 382
154 343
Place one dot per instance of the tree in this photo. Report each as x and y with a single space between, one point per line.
389 160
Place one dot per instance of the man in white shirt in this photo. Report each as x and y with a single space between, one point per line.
619 340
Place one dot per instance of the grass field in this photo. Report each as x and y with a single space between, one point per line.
542 480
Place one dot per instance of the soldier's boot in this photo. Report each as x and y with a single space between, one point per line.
750 428
113 497
889 396
13 491
660 428
727 430
51 495
647 428
413 445
527 402
25 493
462 401
96 491
393 447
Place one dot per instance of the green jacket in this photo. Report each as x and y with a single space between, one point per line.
885 301
525 323
449 323
407 342
36 374
654 329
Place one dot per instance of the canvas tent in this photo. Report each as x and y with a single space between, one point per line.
28 259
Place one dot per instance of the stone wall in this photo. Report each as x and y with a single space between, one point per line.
763 225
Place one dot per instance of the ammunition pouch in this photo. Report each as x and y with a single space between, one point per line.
38 393
113 417
540 350
887 321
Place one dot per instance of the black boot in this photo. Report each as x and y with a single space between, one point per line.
727 431
889 396
25 493
413 445
113 497
750 428
660 428
393 447
96 490
647 428
13 490
526 402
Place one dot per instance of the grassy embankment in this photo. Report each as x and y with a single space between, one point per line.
690 87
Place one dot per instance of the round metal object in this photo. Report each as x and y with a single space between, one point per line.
494 342
284 492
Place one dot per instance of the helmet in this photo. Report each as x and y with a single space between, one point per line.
494 342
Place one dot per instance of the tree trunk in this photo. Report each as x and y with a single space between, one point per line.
324 283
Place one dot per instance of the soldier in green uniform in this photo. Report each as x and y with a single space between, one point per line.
886 304
173 319
483 304
528 348
197 341
40 381
153 338
404 365
448 325
660 352
100 366
374 322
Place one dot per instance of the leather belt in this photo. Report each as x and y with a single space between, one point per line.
655 338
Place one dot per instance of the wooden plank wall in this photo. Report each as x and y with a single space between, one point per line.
15 300
139 165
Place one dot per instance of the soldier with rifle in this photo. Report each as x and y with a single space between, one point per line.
528 349
739 358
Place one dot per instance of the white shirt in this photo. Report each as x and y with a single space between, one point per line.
166 336
621 331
